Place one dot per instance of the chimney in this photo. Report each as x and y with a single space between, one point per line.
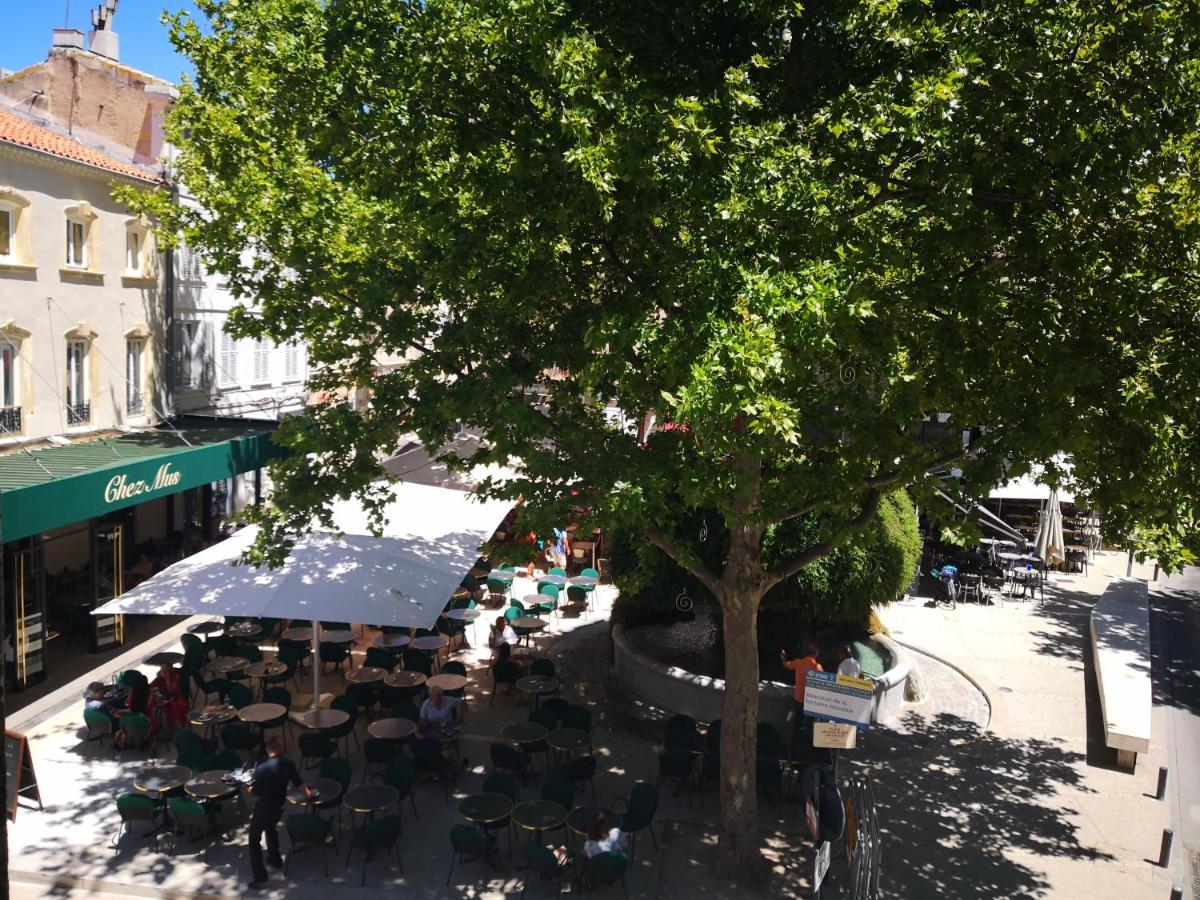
67 37
103 41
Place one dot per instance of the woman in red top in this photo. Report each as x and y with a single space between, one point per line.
167 697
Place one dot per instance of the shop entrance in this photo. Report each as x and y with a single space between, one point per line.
25 597
108 582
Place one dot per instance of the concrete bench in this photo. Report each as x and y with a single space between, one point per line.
1120 626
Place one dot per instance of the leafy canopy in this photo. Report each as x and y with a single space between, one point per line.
797 228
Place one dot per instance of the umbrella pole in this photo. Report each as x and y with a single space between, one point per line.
316 664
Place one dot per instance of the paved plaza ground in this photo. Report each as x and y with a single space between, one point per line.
997 785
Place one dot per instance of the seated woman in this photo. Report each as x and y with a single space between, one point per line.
167 699
502 634
601 836
505 669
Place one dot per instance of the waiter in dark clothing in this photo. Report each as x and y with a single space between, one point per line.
272 777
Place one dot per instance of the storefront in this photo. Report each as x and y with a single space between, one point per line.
81 523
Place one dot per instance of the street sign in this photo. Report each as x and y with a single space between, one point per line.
838 698
834 735
820 865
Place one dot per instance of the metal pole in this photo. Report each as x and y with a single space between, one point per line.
1162 783
1129 565
1164 852
316 663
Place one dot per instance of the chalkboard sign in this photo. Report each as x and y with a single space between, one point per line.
18 772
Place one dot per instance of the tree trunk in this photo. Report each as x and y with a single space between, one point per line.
739 848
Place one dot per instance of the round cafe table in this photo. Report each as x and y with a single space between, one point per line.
556 580
447 682
462 615
244 631
430 642
539 815
366 675
300 634
578 818
393 729
568 740
210 717
163 658
369 799
405 679
483 809
525 732
206 628
391 641
210 786
337 636
526 626
223 665
265 669
501 575
536 685
326 790
160 779
322 718
583 581
530 600
261 713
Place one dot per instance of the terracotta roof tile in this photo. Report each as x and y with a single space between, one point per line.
22 133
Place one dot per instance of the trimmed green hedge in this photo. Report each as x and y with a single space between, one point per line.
839 589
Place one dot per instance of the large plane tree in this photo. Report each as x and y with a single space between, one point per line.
803 233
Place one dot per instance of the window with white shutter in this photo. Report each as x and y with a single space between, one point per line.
227 373
293 366
262 362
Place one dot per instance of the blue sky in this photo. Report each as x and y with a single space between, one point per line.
25 35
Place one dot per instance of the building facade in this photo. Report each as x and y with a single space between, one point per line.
81 294
125 440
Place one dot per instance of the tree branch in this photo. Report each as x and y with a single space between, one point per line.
876 482
824 548
669 546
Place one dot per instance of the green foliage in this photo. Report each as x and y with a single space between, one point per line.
797 229
872 568
875 567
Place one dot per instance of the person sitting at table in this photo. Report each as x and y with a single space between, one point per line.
505 669
601 836
95 698
167 698
442 716
502 633
139 700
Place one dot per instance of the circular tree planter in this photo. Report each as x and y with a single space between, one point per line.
677 690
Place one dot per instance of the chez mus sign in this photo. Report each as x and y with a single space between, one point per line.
120 488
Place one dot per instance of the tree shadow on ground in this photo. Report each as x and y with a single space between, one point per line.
1175 638
953 817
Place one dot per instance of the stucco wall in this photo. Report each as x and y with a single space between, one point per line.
40 297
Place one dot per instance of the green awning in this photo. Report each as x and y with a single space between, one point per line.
51 487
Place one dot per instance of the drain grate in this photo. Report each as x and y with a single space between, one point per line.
1195 858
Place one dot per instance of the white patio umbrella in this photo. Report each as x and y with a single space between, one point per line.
432 537
1049 541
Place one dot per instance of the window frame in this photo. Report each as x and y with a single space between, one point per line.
7 211
84 229
135 360
80 374
10 384
138 253
262 355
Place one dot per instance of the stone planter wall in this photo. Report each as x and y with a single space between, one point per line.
677 690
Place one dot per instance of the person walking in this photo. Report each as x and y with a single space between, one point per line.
269 788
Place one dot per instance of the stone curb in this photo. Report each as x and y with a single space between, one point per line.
998 720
